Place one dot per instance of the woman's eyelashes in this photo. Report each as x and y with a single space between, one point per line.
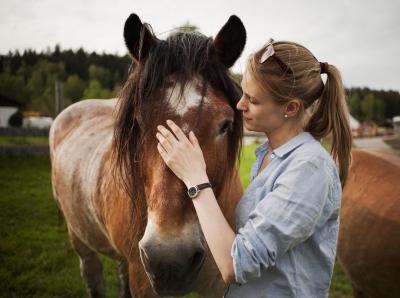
250 99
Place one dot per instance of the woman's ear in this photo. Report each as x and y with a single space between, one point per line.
138 38
230 41
293 107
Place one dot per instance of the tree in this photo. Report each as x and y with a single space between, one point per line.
373 108
74 88
41 86
95 90
16 119
100 74
355 105
14 87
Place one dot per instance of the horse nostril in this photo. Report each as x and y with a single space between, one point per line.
197 259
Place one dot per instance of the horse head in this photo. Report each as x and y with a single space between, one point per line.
184 78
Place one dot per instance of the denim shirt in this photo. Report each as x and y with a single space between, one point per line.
287 223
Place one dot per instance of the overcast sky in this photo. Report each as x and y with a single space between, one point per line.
362 38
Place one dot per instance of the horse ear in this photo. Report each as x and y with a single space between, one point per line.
138 38
230 40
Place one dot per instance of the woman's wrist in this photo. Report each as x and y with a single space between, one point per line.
196 179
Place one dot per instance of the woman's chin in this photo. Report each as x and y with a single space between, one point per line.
248 126
251 128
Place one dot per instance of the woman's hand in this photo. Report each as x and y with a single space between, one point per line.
181 154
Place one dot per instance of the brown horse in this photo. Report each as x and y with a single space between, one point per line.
117 196
369 235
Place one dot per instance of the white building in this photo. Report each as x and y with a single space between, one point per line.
354 124
396 125
7 108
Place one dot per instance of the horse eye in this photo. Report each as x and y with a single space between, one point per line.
225 126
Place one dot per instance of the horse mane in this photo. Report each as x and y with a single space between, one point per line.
184 56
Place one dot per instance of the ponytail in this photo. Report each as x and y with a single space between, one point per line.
330 115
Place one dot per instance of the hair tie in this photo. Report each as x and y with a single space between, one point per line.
324 67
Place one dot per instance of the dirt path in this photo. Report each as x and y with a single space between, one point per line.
375 143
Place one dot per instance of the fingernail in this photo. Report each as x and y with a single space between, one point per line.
169 121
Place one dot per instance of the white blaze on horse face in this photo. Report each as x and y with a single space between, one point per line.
190 97
189 234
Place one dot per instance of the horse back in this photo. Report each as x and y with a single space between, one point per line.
80 142
369 236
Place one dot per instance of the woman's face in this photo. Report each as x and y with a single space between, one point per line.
260 111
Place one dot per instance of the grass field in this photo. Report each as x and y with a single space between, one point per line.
36 257
8 140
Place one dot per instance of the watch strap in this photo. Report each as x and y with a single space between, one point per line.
203 185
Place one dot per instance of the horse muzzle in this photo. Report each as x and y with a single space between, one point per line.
172 270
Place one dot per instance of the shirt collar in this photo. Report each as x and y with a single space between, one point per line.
261 148
290 145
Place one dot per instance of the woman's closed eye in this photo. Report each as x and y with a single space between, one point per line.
252 100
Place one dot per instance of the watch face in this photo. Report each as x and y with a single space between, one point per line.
192 191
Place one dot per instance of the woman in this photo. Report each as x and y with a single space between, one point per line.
288 218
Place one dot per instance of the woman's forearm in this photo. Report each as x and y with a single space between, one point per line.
217 232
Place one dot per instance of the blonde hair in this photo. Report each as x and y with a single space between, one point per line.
328 111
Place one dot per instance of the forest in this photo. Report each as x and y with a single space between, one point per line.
27 80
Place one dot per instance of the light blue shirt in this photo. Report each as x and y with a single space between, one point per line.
287 223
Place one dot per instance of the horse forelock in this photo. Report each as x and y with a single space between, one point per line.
178 61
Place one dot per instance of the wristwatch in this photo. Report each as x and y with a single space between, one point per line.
193 191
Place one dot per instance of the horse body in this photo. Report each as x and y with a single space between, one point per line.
99 214
83 133
369 236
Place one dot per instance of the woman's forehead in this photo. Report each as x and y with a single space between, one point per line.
251 87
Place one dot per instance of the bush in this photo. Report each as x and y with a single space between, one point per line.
15 119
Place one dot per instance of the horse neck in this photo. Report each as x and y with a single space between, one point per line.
230 196
123 226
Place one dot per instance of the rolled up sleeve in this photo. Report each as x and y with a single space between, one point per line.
285 217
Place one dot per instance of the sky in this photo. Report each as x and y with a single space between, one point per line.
361 38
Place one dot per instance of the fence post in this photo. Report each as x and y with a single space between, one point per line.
59 97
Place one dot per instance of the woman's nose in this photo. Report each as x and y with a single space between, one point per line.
240 105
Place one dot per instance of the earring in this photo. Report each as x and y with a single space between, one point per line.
285 115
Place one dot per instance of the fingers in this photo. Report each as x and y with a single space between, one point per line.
163 153
164 142
167 134
193 138
177 131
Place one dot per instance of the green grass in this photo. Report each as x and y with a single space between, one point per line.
35 255
247 158
16 140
